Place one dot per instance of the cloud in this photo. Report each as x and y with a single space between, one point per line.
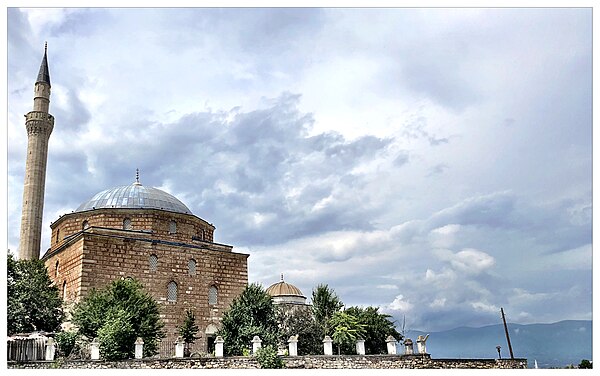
404 172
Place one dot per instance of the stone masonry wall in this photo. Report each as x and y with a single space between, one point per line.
97 256
154 220
314 362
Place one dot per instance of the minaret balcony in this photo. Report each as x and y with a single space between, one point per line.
40 116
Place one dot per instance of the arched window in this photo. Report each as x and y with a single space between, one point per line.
127 224
172 291
56 269
153 262
192 267
172 227
85 225
57 234
64 290
212 295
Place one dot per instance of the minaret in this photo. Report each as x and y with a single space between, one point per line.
39 124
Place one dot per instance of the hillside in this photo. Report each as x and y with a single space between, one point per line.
552 345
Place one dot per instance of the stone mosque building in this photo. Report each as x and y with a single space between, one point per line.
130 231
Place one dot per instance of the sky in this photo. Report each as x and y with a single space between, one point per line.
436 163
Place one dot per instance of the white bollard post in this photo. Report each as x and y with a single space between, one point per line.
139 348
219 346
179 347
360 346
421 349
408 346
293 346
50 349
391 345
95 349
256 344
327 347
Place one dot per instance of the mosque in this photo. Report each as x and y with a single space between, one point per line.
133 231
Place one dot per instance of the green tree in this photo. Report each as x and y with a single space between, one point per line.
325 304
251 314
117 335
300 322
33 302
585 364
377 328
346 330
188 330
119 314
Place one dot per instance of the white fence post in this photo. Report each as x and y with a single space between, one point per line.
139 348
293 346
179 347
391 345
256 344
95 349
219 346
50 349
360 346
327 347
408 346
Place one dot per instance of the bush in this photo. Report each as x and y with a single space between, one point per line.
66 343
117 336
267 357
117 315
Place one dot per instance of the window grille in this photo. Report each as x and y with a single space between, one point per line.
153 262
192 267
172 227
212 295
172 292
127 224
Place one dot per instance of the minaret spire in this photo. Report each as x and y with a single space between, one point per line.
44 73
39 124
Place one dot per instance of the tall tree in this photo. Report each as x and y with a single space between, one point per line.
325 304
300 321
378 327
251 314
33 302
120 313
346 330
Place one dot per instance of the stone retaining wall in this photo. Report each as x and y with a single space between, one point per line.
310 361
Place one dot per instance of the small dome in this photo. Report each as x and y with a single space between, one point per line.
283 292
134 196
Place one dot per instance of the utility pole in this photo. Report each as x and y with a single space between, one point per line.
506 331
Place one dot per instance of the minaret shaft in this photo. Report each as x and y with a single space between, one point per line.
39 124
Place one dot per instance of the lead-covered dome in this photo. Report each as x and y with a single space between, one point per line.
135 196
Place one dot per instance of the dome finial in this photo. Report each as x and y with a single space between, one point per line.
45 47
281 277
137 177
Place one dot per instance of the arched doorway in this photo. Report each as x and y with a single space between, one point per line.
210 332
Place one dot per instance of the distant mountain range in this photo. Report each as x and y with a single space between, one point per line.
553 345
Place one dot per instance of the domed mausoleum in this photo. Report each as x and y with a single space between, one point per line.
141 232
286 293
